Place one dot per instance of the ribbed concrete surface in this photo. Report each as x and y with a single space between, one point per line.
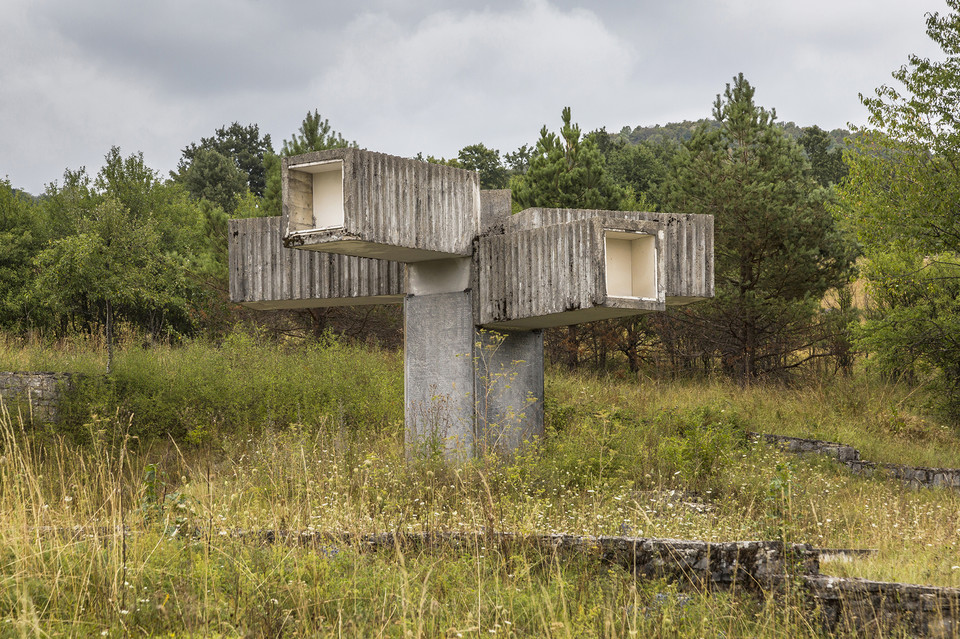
532 277
687 244
393 207
265 275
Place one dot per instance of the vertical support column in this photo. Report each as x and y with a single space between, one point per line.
438 357
467 391
509 390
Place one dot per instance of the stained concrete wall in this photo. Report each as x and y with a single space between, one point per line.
687 245
265 275
393 208
36 395
495 206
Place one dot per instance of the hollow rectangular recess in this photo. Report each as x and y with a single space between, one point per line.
631 264
316 196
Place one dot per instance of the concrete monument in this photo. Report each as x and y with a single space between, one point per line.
478 285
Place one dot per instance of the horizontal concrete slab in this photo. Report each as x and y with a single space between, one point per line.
687 245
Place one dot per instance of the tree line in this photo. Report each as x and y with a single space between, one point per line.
799 213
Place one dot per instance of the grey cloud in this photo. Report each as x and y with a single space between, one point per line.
419 75
193 48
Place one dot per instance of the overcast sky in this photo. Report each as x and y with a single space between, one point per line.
419 75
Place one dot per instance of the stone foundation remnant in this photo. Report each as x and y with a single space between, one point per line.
849 606
914 476
478 285
35 396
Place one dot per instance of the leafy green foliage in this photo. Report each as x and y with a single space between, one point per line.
777 249
21 237
642 166
243 145
486 162
113 258
519 160
901 197
826 159
214 177
124 240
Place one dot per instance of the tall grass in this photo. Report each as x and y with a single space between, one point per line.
310 439
198 391
162 576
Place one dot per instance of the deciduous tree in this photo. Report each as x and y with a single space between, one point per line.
243 145
21 237
902 196
487 163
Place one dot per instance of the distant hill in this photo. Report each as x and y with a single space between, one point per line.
680 132
25 195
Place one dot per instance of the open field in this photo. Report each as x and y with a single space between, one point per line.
310 439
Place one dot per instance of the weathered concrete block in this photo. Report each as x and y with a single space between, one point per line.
508 386
687 245
587 269
862 607
369 204
265 275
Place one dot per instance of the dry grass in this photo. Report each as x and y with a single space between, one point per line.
648 459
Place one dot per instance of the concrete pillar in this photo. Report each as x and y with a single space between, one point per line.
438 372
467 391
508 390
438 349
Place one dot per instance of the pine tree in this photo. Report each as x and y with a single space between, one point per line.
567 171
314 134
777 248
826 163
242 145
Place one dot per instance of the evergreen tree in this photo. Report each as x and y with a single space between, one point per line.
825 162
243 145
214 177
777 249
567 171
314 134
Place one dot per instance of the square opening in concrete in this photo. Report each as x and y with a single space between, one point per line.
631 264
316 196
